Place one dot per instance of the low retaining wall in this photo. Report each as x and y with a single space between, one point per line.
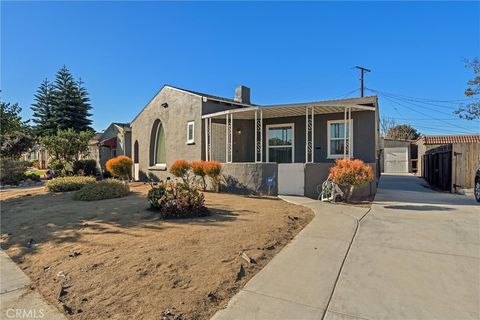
249 178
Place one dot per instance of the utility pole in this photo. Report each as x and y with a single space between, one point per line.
362 71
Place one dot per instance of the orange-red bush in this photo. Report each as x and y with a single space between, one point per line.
351 172
213 169
198 168
180 168
120 166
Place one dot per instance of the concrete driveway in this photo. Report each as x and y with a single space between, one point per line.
416 255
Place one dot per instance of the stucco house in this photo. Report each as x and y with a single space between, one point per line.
112 142
283 148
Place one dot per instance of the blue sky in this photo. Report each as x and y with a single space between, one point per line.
285 52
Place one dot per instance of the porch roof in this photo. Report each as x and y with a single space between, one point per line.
298 109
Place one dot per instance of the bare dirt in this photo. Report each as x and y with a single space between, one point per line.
115 259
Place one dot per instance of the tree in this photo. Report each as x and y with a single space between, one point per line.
61 105
15 135
67 146
471 110
43 110
402 132
385 125
71 109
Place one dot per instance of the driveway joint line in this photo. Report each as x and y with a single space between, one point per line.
343 262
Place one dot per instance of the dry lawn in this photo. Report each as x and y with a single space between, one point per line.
116 260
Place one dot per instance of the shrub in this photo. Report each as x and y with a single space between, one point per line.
120 166
350 173
12 172
106 189
198 168
32 176
181 169
214 170
64 184
87 167
176 201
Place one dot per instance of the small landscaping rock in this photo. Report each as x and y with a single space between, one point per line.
74 254
67 309
241 273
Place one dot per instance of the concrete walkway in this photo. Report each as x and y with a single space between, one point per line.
414 255
17 300
298 282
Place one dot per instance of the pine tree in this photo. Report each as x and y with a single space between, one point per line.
83 102
62 105
72 104
43 113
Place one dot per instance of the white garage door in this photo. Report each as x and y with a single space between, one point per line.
291 179
396 159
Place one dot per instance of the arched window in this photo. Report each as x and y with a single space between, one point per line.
157 145
135 152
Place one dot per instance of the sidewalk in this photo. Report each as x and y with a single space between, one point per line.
17 300
298 282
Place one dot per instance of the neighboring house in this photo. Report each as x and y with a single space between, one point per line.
114 141
449 162
292 144
398 156
37 153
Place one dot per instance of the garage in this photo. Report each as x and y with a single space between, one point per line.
396 159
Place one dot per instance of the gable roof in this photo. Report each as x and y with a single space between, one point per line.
449 139
210 96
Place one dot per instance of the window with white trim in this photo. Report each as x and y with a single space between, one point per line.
336 138
190 132
280 143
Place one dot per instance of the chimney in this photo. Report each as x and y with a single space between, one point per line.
242 94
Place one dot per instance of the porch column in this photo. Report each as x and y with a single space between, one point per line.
309 134
258 136
229 138
208 139
347 116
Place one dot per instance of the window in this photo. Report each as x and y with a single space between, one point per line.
280 143
157 146
336 138
190 132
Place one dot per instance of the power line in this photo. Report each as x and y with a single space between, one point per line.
422 113
421 99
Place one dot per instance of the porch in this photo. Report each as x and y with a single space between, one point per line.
288 149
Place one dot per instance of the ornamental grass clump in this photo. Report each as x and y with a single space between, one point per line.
351 173
106 189
120 167
64 184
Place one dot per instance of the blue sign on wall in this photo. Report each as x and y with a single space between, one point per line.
270 181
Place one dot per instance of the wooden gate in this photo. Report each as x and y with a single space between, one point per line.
437 168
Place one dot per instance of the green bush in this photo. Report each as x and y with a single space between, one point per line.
88 167
176 201
106 189
32 176
64 184
12 172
